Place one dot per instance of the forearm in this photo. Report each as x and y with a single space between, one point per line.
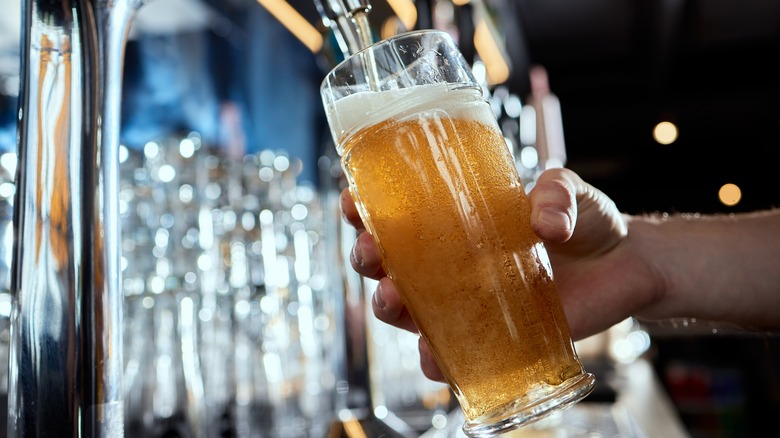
719 268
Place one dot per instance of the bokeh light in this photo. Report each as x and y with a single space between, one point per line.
730 194
665 133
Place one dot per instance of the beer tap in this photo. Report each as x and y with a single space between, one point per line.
66 365
349 21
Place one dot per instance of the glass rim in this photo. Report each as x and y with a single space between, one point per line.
383 42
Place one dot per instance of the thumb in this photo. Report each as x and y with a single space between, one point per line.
554 205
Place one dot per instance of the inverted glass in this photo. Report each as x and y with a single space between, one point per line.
437 188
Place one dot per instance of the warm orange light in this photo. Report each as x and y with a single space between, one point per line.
295 23
488 49
665 133
389 28
730 194
406 12
460 2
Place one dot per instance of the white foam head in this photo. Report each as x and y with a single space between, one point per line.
354 112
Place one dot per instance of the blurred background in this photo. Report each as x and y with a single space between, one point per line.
231 235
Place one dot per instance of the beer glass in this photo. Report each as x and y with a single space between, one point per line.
437 188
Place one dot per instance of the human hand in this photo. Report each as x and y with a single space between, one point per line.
600 282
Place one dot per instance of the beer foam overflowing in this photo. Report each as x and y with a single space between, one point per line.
356 111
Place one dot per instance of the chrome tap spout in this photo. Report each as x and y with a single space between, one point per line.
349 21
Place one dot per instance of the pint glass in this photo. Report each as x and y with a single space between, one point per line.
437 188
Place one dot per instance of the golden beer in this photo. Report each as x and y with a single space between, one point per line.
436 186
443 200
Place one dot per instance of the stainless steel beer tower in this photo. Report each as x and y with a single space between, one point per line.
66 350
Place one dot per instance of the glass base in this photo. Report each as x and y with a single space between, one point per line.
567 394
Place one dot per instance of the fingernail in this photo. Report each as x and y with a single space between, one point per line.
379 298
356 255
554 217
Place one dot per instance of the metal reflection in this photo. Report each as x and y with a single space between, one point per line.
66 347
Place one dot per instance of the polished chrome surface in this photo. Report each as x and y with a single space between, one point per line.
66 341
349 21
